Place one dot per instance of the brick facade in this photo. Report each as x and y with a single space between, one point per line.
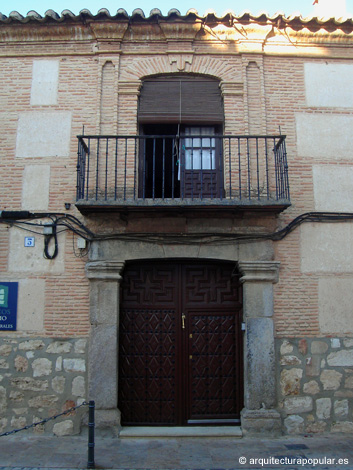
267 72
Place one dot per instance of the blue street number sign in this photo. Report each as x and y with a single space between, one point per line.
8 305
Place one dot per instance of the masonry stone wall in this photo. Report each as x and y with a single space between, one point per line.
315 384
40 378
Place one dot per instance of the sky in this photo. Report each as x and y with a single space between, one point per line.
288 7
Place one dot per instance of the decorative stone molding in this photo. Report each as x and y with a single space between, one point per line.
232 88
180 31
105 270
178 61
131 87
109 31
259 271
262 38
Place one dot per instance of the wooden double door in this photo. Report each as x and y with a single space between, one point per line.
180 344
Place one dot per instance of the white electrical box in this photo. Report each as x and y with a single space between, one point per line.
48 229
81 243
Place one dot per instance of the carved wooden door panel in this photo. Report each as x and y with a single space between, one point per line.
180 344
148 341
212 306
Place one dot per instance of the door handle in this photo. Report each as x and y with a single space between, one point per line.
183 316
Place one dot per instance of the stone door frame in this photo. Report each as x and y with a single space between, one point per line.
260 399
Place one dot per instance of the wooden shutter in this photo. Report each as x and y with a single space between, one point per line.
181 99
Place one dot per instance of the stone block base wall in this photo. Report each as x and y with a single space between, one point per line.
315 384
40 378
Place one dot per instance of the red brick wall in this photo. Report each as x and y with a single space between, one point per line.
279 95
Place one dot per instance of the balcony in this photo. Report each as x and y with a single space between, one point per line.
189 172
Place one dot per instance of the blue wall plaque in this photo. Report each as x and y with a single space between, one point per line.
8 305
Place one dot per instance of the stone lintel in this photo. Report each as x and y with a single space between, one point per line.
259 271
265 422
108 270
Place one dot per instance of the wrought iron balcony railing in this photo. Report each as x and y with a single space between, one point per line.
179 171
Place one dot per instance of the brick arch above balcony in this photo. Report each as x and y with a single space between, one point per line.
139 68
175 62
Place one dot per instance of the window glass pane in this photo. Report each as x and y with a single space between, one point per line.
207 131
196 159
188 162
199 152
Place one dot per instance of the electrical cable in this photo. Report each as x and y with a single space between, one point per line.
67 221
47 240
319 217
71 223
211 237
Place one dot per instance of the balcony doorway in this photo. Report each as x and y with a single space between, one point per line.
180 161
159 162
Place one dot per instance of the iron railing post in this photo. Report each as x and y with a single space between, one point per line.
91 425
